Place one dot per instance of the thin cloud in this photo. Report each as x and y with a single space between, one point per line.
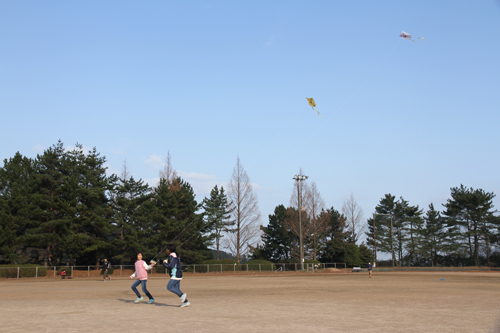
196 176
38 148
155 161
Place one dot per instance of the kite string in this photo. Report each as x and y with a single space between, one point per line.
369 77
175 239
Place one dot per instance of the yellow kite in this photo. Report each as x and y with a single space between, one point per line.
312 103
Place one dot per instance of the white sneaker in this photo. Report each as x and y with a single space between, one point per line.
183 297
185 304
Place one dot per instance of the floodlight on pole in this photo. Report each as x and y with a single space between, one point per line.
298 179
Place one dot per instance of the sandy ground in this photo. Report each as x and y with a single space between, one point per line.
273 302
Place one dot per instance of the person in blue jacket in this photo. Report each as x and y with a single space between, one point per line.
173 264
370 268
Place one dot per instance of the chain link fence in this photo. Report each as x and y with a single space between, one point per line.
127 270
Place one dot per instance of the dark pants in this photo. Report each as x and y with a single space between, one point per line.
104 274
144 289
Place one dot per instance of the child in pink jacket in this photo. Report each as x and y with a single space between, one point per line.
141 273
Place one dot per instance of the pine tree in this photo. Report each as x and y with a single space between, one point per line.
384 211
16 206
54 202
217 216
127 198
91 229
276 238
173 218
412 224
470 212
336 237
434 234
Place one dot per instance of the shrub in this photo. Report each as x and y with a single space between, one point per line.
223 261
253 265
31 271
60 269
25 271
8 272
228 265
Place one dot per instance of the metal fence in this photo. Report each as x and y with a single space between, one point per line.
37 272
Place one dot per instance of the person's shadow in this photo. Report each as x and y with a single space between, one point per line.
155 303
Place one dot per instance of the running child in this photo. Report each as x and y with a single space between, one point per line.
173 264
141 273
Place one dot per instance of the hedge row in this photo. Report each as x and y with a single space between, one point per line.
11 272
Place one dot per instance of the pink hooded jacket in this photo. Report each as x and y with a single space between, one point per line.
141 269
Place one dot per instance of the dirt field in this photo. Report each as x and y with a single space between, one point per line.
273 302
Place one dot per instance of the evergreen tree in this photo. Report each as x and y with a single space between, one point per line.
412 224
276 238
128 198
336 225
91 229
54 204
434 234
173 218
470 211
336 237
387 207
217 216
16 205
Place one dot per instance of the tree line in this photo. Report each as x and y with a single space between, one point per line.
465 233
328 235
62 208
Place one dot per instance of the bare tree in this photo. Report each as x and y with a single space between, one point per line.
168 173
318 221
355 224
125 174
314 223
245 213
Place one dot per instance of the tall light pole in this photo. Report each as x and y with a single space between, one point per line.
298 179
375 239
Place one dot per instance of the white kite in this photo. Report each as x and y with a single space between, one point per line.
408 37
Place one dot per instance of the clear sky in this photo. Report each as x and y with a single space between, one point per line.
211 80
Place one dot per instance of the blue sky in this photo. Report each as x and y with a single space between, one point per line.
211 80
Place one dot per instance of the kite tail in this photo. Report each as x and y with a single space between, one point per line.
425 40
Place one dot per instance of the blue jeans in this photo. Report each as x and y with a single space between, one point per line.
144 289
175 287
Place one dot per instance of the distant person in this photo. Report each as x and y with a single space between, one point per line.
141 272
370 268
63 274
105 270
315 267
173 264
